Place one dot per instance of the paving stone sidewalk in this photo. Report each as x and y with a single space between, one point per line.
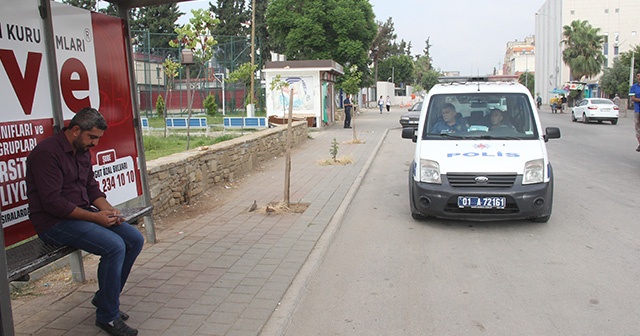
228 271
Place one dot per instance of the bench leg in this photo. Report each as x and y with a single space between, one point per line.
77 267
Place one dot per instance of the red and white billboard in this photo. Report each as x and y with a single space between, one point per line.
90 53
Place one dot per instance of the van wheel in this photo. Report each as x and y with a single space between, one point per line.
542 219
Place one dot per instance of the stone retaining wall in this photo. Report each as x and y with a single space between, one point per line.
175 179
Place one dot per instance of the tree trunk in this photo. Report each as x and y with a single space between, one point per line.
189 100
287 169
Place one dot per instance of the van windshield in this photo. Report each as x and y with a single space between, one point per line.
480 116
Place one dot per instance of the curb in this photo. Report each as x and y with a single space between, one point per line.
280 319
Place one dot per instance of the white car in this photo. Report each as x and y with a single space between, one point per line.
595 109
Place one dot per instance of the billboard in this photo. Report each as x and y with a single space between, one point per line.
90 55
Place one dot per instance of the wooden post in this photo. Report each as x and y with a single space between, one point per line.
287 169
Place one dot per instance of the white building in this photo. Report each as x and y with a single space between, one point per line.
617 20
519 57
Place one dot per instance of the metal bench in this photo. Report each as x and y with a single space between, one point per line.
34 254
245 122
144 122
198 123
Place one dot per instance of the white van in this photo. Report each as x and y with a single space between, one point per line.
480 154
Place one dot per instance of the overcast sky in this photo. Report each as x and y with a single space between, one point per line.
469 36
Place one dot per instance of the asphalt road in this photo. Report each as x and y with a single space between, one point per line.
578 274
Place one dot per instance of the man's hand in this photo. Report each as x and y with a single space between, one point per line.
108 218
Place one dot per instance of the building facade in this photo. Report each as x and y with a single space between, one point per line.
617 20
520 57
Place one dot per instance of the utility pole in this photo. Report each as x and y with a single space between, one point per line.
253 46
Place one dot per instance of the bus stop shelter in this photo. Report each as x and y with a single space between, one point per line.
37 49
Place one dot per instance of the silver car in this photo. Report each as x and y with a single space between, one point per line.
595 109
410 119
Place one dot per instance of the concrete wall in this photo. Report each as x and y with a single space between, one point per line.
175 179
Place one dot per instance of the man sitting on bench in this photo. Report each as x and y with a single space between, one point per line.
68 208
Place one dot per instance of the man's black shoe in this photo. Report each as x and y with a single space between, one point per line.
123 315
117 327
347 127
638 149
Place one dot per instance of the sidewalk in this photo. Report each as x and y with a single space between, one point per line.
225 270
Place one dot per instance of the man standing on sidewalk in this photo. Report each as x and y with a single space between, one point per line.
67 207
347 111
634 96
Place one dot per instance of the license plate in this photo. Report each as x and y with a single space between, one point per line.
482 202
605 109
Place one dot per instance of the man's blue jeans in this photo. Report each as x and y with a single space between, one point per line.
118 247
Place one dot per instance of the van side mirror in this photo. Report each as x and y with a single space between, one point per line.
409 133
551 133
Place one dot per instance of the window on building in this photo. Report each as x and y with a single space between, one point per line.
617 10
573 12
615 51
606 10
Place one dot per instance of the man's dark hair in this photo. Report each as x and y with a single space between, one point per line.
88 118
449 106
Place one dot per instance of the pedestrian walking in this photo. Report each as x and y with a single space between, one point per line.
616 100
388 103
381 104
634 96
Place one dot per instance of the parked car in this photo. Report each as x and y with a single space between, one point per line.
595 109
410 119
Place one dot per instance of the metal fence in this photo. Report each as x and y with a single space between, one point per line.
205 79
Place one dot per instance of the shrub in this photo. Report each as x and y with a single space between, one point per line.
210 105
160 106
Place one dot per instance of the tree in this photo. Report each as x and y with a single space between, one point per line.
583 49
399 68
170 69
232 32
155 26
616 79
528 80
243 75
341 30
350 84
278 84
86 4
196 35
381 45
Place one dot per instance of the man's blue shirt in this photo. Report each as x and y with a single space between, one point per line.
635 91
442 127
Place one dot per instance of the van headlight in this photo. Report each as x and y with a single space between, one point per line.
533 172
430 172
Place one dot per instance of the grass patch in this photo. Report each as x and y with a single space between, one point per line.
341 161
158 146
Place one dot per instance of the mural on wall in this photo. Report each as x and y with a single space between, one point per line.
303 99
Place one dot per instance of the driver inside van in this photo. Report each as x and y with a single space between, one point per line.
498 120
450 122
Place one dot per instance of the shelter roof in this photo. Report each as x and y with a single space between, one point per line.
322 65
142 3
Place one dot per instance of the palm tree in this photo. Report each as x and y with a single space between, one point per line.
583 49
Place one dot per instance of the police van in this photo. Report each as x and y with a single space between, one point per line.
480 153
